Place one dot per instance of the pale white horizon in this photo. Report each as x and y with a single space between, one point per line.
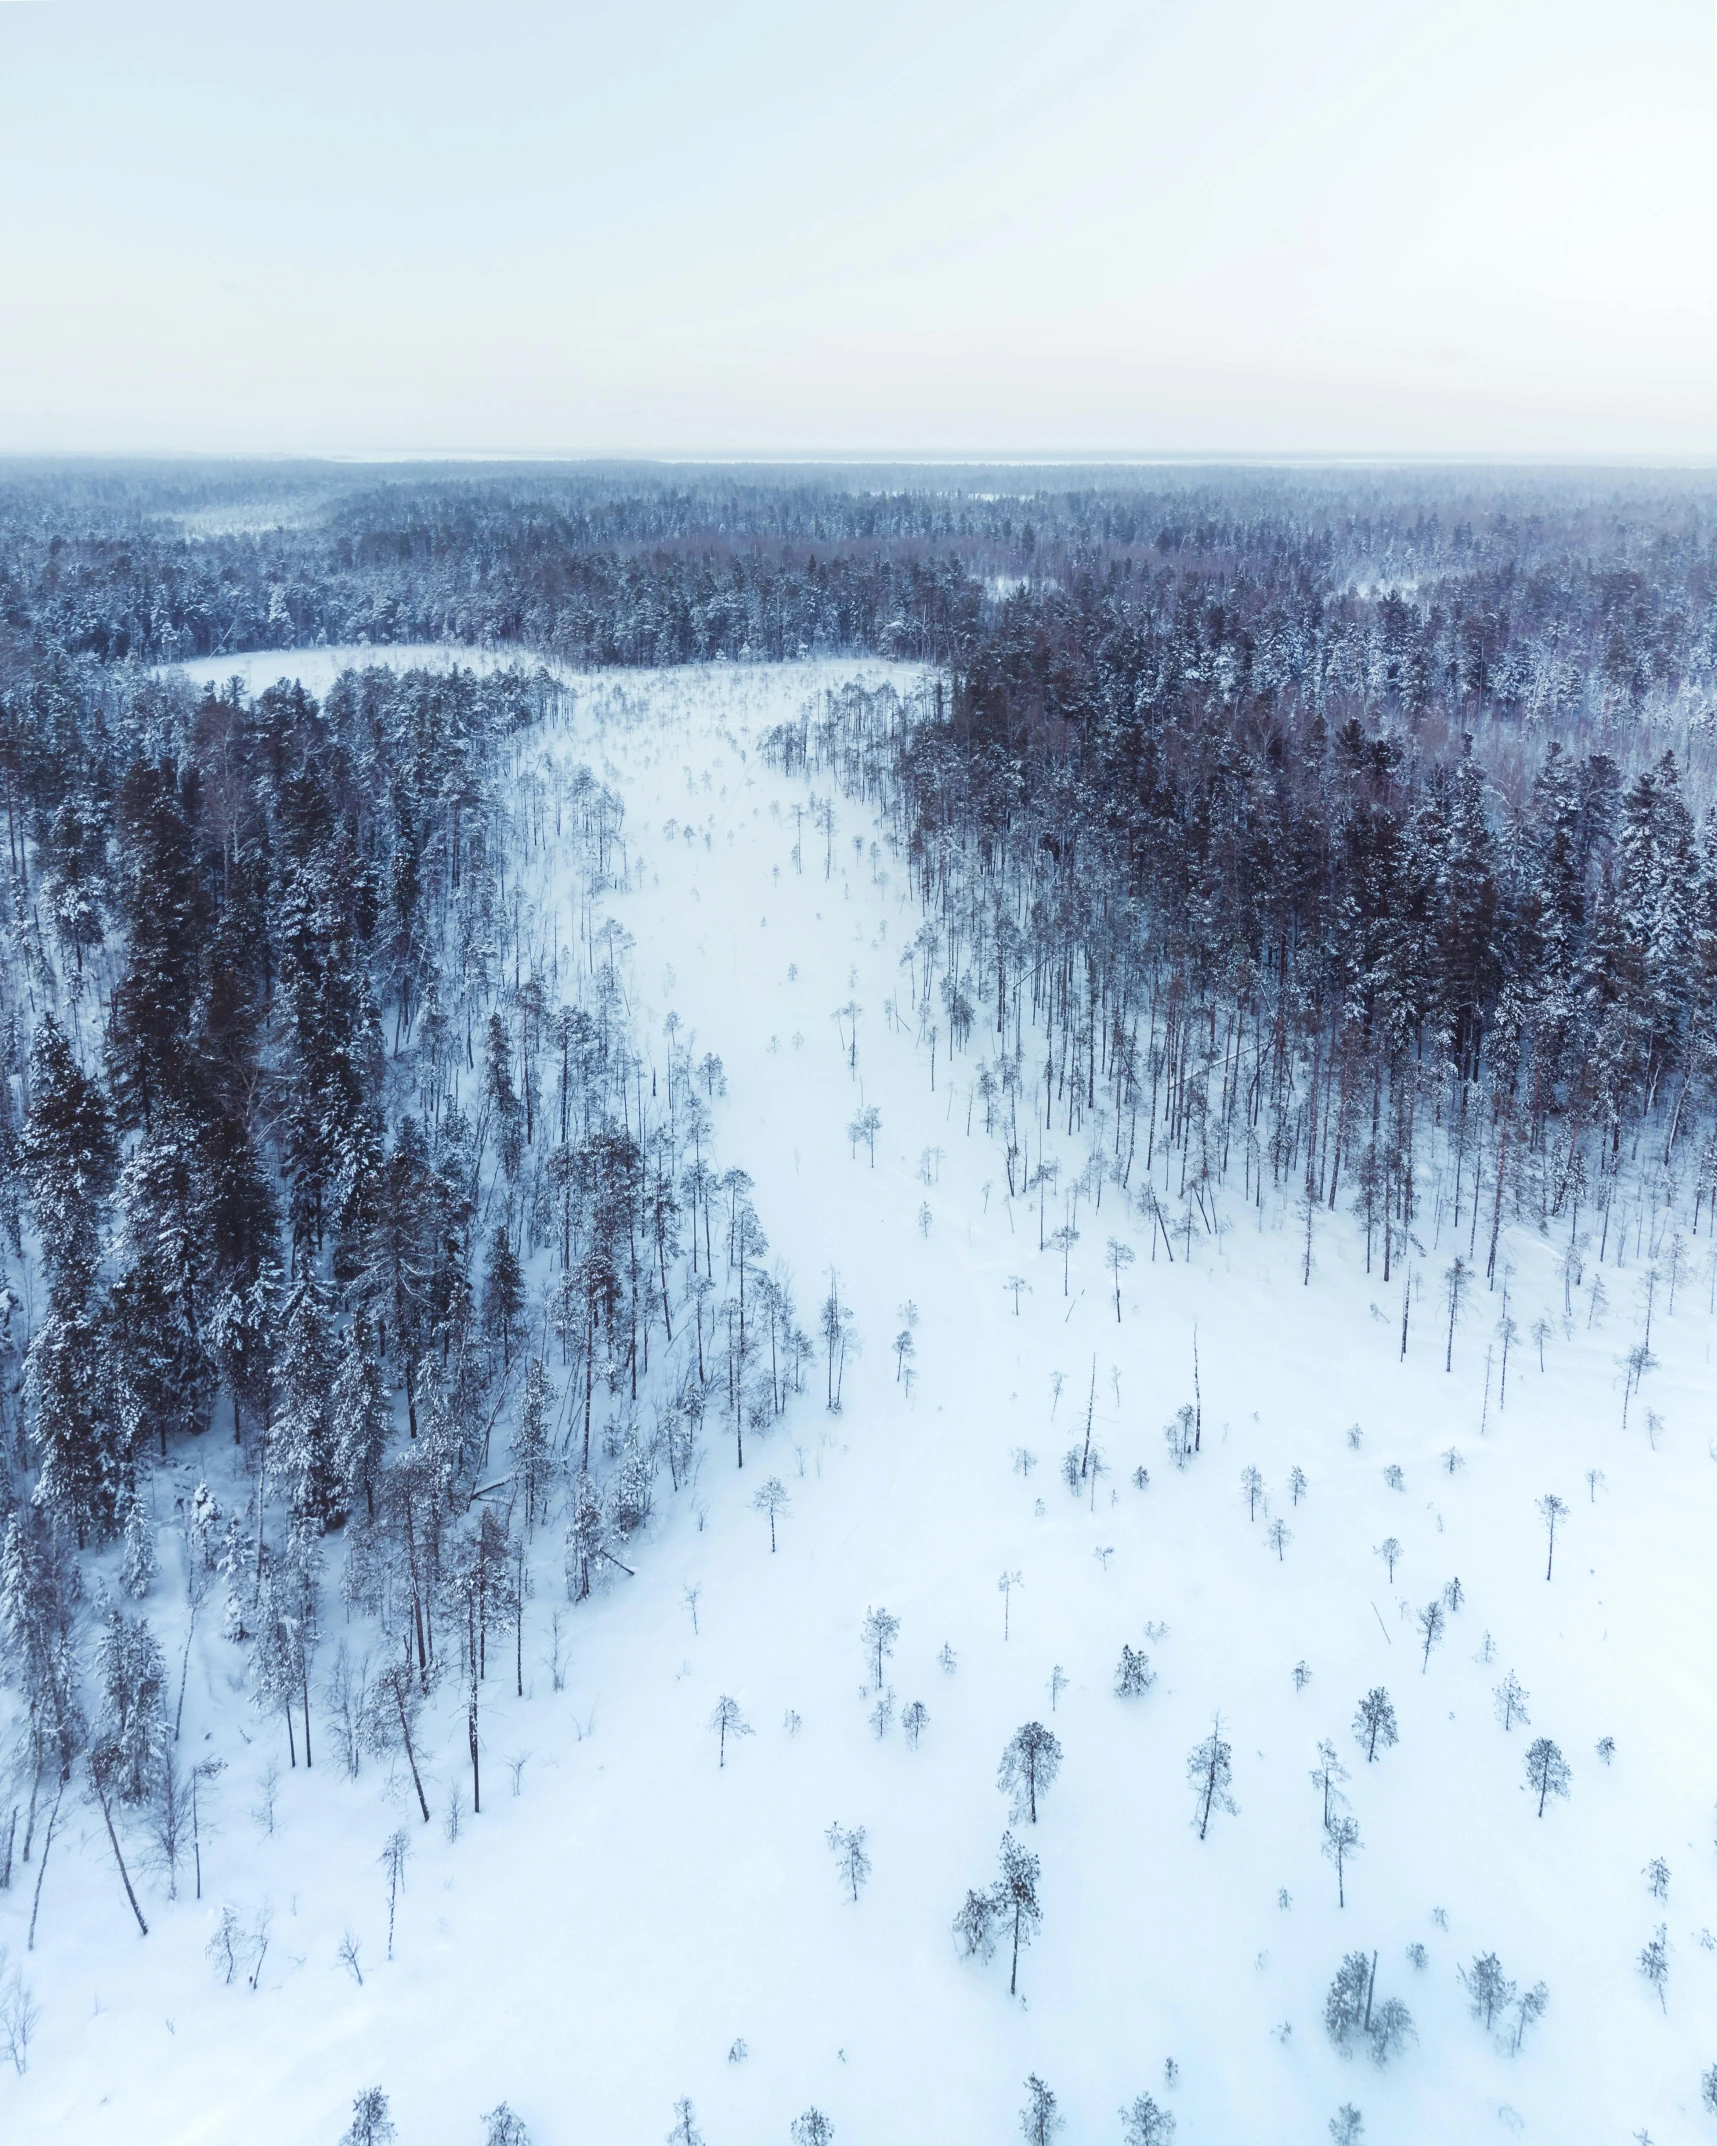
755 229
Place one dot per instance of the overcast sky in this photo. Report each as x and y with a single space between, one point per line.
1245 226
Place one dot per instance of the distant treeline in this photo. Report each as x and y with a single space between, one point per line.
1450 598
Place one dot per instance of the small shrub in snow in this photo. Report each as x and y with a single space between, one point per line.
1654 1963
1135 1676
19 2013
685 2131
1390 2030
974 1926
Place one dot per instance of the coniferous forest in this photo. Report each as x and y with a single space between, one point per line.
1331 853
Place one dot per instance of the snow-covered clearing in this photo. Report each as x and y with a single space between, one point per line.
603 1940
315 669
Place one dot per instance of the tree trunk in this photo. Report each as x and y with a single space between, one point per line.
124 1874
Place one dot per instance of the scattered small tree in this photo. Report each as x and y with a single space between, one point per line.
19 2016
1489 1990
1348 2003
1456 1282
393 1859
1431 1629
1341 1841
1118 1257
1210 1770
1509 1701
771 1499
1038 2121
1529 2007
1134 1677
811 2129
726 1721
1654 1963
974 1925
1327 1777
847 1843
1546 1771
371 2124
879 1632
1146 2123
1374 1722
1553 1511
1017 1908
1390 2030
1028 1767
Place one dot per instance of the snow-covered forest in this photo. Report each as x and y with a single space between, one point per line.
857 1305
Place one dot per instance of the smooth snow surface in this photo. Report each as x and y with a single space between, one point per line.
593 1947
315 669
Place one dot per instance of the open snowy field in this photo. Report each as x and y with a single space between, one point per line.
633 1919
315 669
